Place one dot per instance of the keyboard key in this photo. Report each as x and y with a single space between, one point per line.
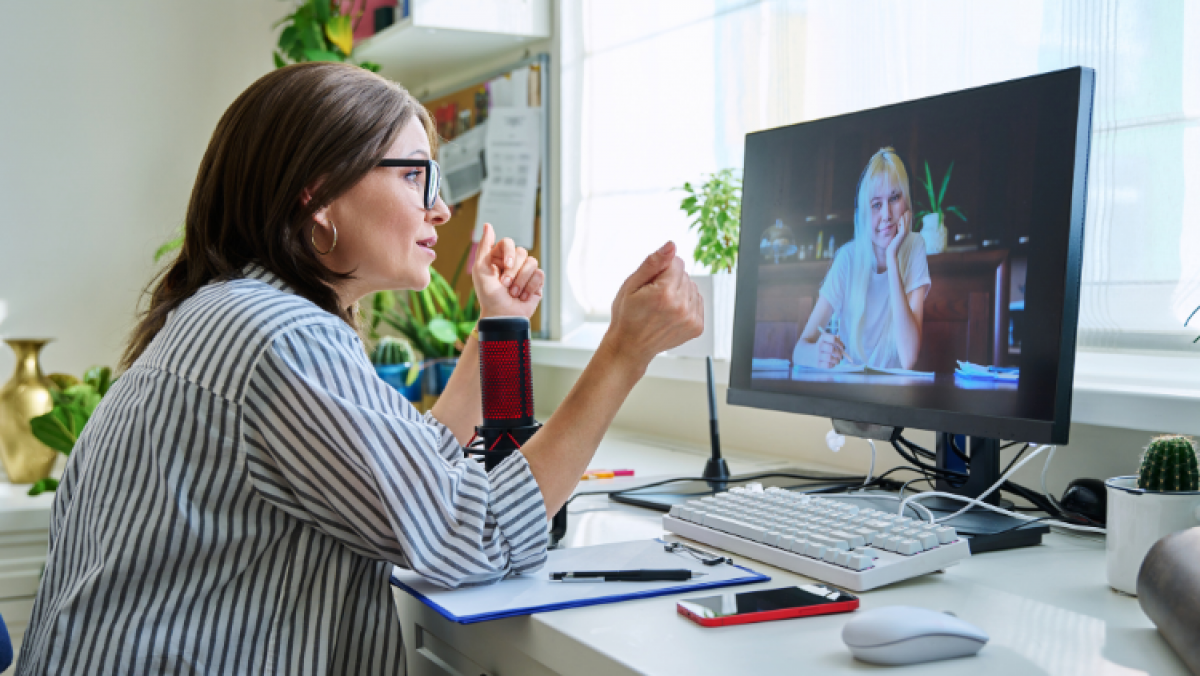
841 558
814 550
771 537
859 562
928 539
946 534
908 547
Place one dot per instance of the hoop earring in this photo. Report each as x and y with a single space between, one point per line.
313 239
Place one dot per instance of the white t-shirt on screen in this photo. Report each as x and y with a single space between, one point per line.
879 352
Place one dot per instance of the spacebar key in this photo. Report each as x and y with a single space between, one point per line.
735 527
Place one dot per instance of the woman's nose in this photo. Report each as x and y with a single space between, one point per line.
439 214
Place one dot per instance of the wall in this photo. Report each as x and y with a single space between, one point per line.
108 107
677 411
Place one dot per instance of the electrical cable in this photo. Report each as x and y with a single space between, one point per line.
978 502
1015 457
870 470
842 481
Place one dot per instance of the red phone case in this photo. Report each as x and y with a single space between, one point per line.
784 614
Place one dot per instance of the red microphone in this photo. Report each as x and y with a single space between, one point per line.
506 383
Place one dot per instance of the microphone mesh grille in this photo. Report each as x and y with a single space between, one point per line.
506 378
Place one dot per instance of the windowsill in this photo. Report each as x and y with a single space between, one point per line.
1143 391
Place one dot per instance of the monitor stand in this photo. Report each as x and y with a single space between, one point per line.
987 531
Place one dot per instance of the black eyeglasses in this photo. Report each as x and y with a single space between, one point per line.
433 177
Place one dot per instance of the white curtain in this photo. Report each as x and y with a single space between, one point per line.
669 88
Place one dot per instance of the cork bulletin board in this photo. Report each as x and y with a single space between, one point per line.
457 112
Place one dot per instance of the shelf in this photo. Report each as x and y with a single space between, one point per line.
452 37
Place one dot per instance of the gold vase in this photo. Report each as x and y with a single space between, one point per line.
27 395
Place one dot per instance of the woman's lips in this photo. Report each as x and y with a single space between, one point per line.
427 245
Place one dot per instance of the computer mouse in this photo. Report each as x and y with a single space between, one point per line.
907 635
1087 497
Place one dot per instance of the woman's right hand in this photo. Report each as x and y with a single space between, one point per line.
830 350
657 308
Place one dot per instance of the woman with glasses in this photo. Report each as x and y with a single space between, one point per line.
878 282
238 500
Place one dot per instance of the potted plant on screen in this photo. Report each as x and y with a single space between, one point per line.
933 220
1162 498
715 207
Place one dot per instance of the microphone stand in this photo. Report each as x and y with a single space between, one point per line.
716 470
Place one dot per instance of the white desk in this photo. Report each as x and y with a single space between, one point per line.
1048 610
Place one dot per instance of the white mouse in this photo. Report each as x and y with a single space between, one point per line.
907 635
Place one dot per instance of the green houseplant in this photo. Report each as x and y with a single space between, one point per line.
933 220
320 30
74 403
714 207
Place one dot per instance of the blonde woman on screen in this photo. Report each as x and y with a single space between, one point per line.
877 284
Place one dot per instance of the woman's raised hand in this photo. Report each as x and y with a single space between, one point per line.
657 308
507 279
830 350
902 229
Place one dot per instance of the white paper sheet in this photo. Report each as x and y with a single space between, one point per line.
512 155
510 91
535 592
462 165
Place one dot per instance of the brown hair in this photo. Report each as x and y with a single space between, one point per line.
314 126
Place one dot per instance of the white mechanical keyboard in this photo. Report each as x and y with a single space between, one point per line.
830 540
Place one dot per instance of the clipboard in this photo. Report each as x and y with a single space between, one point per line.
536 593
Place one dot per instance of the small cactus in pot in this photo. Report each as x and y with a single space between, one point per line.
390 351
1169 465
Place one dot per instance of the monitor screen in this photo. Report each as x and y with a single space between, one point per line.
918 265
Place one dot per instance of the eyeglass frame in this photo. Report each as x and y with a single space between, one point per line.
432 169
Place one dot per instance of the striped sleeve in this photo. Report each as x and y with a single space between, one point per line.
322 444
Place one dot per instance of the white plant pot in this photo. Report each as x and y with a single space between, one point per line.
719 292
933 231
1137 519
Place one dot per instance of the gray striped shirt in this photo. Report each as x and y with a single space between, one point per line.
238 500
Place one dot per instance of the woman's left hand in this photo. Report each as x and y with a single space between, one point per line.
507 279
902 230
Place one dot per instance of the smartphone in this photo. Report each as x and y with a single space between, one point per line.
766 604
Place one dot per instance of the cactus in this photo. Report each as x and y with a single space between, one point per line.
1169 465
390 351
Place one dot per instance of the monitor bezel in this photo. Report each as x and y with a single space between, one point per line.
1055 431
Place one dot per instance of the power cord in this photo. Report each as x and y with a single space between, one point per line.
978 502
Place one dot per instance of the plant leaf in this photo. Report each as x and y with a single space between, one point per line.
99 377
340 33
279 63
370 65
957 212
173 244
322 9
322 55
945 182
59 429
43 485
414 372
933 205
442 330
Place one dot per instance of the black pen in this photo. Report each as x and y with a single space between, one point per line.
626 576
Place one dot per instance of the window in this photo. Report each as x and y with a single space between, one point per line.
668 89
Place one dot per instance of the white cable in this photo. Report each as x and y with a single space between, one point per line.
978 502
872 469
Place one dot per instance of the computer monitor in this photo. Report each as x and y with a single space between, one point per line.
966 324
